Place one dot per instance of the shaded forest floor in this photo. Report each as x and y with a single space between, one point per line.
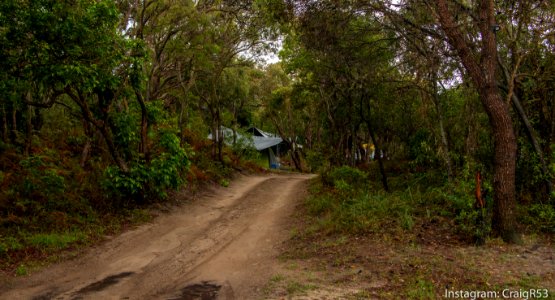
420 265
386 261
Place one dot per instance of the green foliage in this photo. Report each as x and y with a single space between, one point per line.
540 217
39 188
55 241
9 243
21 270
421 289
41 179
125 131
224 182
150 181
421 150
243 146
362 211
316 160
156 112
472 223
347 175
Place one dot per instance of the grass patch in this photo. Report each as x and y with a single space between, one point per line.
23 248
21 270
362 212
9 243
55 241
295 287
277 278
421 289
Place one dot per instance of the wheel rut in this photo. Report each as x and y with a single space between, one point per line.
222 246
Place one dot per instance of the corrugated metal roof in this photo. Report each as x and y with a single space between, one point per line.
258 142
261 143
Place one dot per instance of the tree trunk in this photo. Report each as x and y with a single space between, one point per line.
118 159
217 137
101 125
483 76
504 222
443 134
183 103
378 156
88 144
530 132
296 157
29 129
143 145
14 124
4 124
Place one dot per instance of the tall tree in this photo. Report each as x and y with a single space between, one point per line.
480 61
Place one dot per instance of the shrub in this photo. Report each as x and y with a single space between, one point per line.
351 176
41 179
145 181
37 188
471 222
9 243
421 150
315 160
243 146
361 211
541 217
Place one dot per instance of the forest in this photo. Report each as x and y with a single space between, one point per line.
106 106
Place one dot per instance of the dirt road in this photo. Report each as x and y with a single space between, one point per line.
222 246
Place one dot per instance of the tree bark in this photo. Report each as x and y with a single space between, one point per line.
143 145
443 134
29 129
14 124
530 132
378 156
88 144
4 124
80 100
483 77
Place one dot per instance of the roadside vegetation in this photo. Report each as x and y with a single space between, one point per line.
105 109
422 238
430 122
349 201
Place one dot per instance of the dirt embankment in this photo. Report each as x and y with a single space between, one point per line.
222 244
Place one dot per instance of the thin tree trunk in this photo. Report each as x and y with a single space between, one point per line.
443 134
215 138
113 150
143 145
4 123
85 153
14 124
378 156
78 98
183 103
88 144
29 129
530 132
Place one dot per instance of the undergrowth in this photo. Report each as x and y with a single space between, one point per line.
352 201
49 203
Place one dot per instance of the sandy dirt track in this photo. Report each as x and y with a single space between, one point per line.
221 246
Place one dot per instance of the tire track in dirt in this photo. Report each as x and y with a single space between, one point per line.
221 246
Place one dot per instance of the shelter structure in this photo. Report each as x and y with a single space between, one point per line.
269 144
